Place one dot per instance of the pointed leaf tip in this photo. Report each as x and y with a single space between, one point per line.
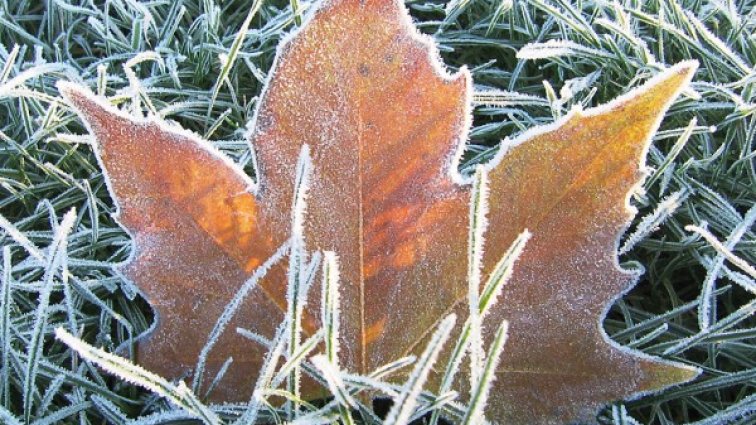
92 109
658 375
656 95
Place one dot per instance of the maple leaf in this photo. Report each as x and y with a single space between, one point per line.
387 126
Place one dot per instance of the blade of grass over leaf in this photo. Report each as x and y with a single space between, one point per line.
231 308
491 291
218 377
294 360
275 352
479 395
297 289
331 305
478 225
502 272
405 401
335 383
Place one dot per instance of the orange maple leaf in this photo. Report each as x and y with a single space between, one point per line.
387 126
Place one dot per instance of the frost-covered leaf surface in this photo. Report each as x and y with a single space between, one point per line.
387 126
202 64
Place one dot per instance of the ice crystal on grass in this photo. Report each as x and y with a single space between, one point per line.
406 400
56 257
179 394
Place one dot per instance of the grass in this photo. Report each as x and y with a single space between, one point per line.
531 61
